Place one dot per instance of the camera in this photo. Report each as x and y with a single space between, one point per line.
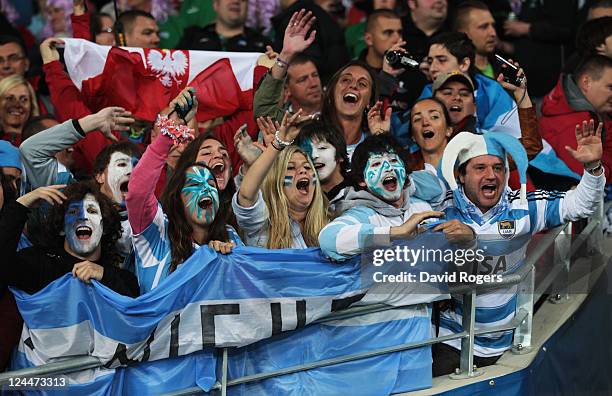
510 72
400 60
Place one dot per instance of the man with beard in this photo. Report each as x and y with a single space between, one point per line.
504 221
83 228
379 207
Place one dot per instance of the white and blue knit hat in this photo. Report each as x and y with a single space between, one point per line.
466 145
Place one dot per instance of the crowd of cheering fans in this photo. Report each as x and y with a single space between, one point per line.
344 147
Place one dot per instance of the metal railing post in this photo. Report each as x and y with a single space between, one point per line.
466 367
224 373
595 242
524 301
562 258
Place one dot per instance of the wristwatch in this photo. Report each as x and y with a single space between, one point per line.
594 170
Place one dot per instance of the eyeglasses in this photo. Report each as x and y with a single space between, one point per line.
12 59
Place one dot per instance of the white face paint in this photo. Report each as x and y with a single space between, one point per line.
118 174
324 158
83 225
385 175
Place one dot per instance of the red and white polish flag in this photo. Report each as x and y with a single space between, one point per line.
144 81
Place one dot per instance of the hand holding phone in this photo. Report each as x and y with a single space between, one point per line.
510 72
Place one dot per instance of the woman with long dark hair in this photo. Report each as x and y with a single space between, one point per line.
166 234
211 151
350 102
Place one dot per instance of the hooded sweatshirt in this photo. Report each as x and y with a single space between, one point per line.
366 221
562 109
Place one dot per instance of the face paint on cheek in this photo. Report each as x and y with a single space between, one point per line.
83 226
385 176
324 158
200 197
118 171
288 182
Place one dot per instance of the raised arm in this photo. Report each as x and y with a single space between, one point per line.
80 21
553 208
38 151
141 202
249 188
530 132
295 40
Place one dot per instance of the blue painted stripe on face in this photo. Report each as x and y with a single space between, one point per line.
288 181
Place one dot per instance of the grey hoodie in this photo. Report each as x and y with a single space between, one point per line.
354 198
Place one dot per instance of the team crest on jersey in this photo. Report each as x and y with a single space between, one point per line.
506 228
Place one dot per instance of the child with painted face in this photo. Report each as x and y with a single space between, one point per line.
290 208
165 234
83 227
378 207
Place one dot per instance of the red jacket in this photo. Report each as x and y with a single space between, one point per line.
558 127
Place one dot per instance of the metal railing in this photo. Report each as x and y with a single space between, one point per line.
557 280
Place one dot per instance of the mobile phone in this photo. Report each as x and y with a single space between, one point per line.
510 72
182 112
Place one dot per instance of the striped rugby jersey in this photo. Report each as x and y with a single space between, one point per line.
152 251
504 233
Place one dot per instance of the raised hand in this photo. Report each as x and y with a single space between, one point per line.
289 128
186 99
248 150
296 39
78 7
376 123
589 148
50 194
268 58
48 49
107 120
268 128
86 271
399 46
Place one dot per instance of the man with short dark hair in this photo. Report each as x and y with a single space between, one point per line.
13 59
384 33
599 8
473 18
578 98
227 33
140 29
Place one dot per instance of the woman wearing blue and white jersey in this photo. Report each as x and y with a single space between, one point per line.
165 235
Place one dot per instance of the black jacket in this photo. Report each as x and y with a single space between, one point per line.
328 50
207 39
33 268
542 53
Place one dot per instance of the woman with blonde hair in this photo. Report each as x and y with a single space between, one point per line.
17 105
289 210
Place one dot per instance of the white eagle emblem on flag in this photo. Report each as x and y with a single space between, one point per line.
168 66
